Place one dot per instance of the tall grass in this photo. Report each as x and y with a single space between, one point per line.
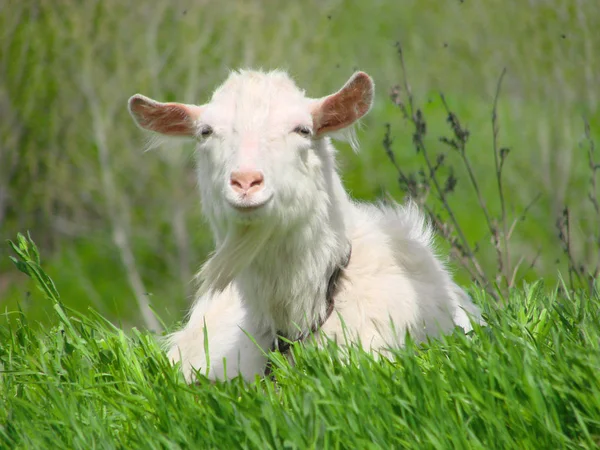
123 229
529 380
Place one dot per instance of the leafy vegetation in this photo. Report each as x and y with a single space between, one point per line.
120 227
530 379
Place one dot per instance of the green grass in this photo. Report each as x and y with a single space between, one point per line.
67 69
529 380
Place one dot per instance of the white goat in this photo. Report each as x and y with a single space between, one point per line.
285 227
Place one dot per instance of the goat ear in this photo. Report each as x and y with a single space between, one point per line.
346 106
171 119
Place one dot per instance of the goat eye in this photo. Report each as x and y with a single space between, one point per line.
302 130
206 131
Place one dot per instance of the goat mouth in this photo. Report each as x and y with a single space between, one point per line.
247 207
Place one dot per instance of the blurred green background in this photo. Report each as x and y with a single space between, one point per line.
114 223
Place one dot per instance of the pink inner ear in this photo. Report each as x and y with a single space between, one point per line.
346 106
173 119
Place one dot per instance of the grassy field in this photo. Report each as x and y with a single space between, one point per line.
117 224
529 380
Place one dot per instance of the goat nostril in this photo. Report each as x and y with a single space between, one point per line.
246 181
257 181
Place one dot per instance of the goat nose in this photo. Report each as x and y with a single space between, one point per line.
247 181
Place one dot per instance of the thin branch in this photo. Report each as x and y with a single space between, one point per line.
416 118
593 194
523 215
516 269
119 233
414 193
459 144
594 167
499 156
564 234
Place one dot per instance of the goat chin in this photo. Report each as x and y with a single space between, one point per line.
236 252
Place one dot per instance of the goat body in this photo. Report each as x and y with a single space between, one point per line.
283 223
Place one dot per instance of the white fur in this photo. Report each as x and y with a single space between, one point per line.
270 268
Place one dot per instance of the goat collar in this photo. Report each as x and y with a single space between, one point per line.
283 345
